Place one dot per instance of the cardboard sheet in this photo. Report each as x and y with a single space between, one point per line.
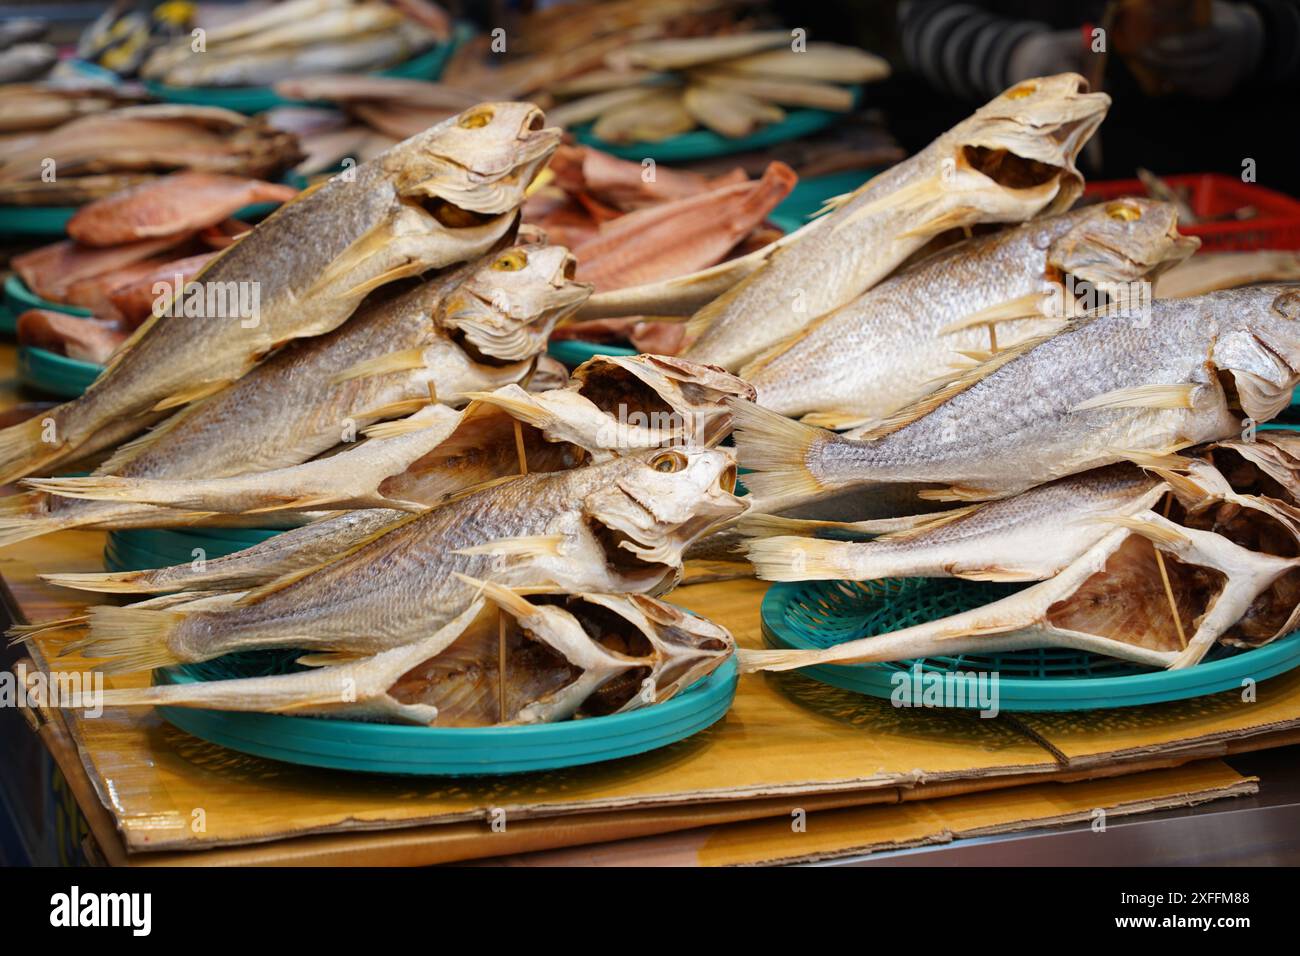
861 830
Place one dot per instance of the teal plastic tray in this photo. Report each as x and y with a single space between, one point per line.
456 751
704 143
141 548
810 615
573 352
18 299
55 374
255 99
53 220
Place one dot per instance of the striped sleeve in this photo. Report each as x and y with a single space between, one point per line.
959 48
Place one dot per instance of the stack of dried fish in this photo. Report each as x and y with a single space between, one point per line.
300 38
127 247
104 151
732 85
567 510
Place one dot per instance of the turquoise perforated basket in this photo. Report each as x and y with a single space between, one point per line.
811 615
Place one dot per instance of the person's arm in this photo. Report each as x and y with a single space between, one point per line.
968 52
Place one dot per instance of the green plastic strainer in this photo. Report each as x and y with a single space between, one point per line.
811 615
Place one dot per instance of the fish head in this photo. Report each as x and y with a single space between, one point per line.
1122 241
505 309
1257 341
614 404
657 504
1027 140
480 161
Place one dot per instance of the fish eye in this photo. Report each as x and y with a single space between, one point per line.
512 261
1021 91
475 119
1124 212
668 462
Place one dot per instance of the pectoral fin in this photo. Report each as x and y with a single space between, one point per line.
1144 396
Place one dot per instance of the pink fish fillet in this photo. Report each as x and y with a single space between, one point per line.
87 340
50 270
180 203
676 238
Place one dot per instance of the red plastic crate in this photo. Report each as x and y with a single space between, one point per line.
1275 226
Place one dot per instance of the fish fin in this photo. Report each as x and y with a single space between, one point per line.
398 409
21 633
519 405
957 493
22 451
1000 575
191 394
752 661
934 522
105 582
404 271
928 403
505 598
836 421
770 354
975 355
911 196
833 203
130 639
1165 458
301 503
777 448
798 559
538 545
1144 396
1156 533
90 487
1023 307
403 361
22 518
1183 487
331 658
403 426
949 219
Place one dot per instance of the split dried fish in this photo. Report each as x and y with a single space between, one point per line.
565 656
1010 161
170 205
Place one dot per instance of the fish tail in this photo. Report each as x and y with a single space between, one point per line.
24 448
800 559
23 517
22 633
778 450
752 661
113 582
97 488
132 639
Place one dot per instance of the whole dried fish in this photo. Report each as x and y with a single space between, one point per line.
729 112
444 196
1010 161
1140 385
566 656
887 347
588 529
1028 537
649 119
